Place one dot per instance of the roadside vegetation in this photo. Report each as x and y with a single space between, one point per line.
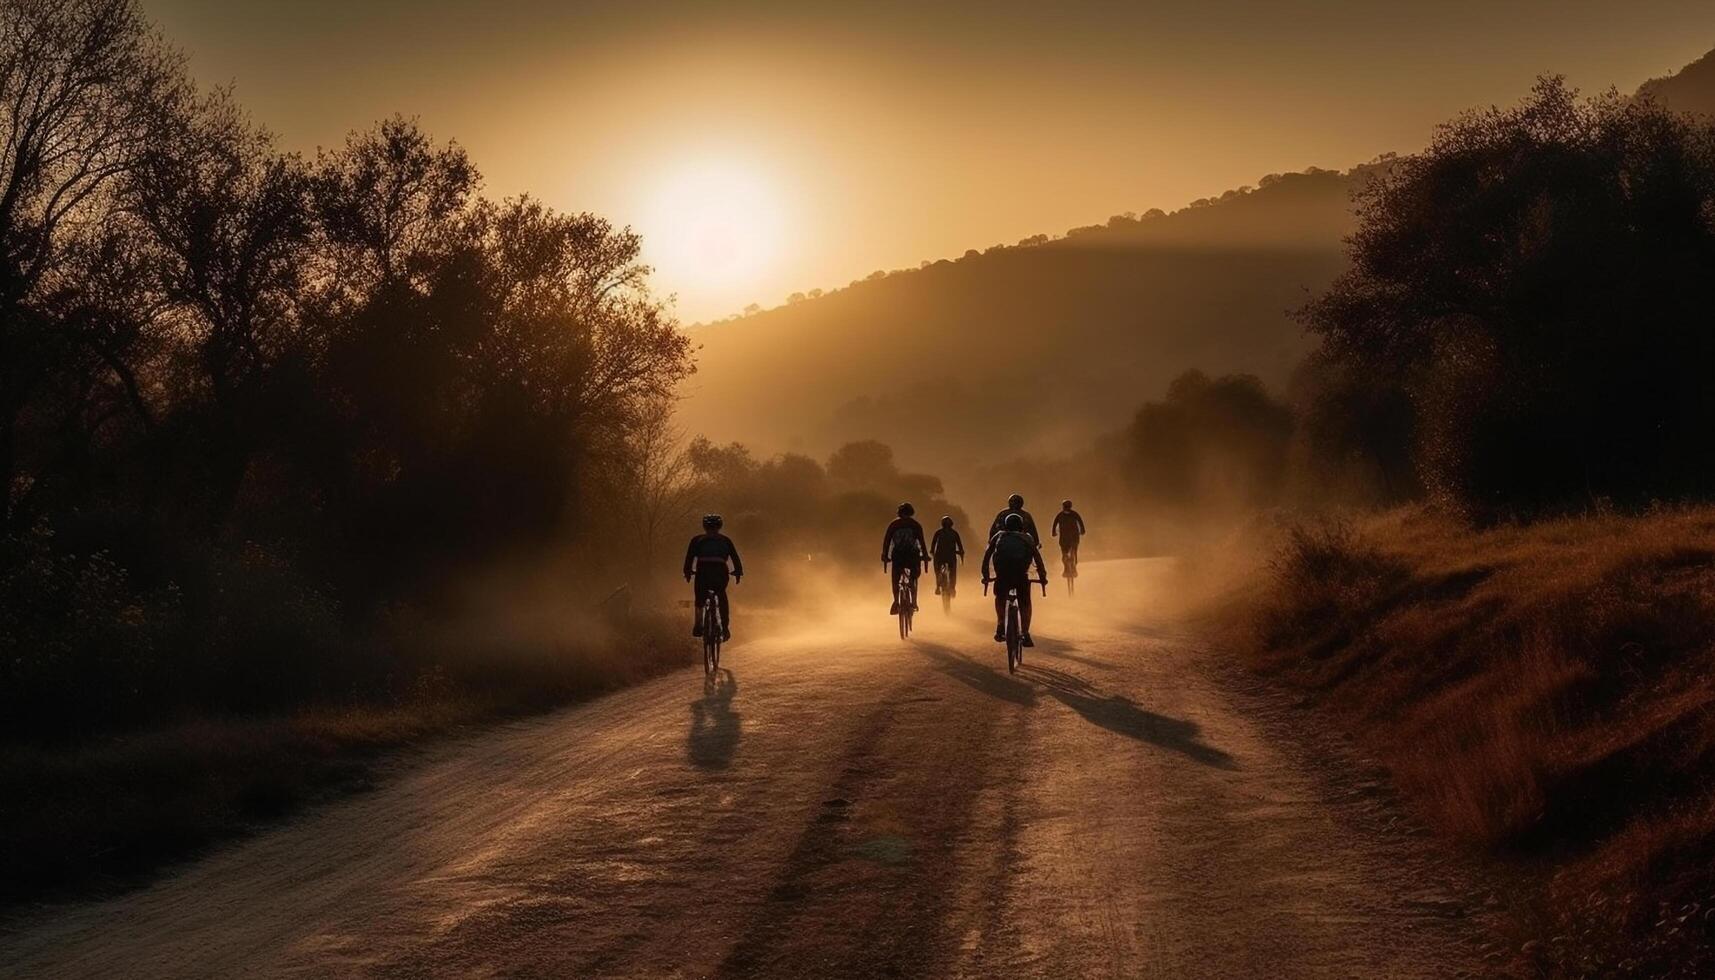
289 450
305 458
1543 693
1516 364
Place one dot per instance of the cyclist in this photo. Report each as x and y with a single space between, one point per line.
1011 552
947 549
903 547
1069 528
706 563
1015 505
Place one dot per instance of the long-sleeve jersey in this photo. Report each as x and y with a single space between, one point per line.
1068 524
712 547
999 524
947 544
901 537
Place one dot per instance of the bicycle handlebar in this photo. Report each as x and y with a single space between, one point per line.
1027 583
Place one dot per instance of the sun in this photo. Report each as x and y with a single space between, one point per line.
713 225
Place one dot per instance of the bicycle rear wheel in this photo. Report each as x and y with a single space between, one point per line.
711 639
902 600
1014 639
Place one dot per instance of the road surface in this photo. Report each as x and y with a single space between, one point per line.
839 803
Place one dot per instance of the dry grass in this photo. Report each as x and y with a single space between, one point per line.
103 813
1543 692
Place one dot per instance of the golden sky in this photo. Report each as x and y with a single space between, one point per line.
764 148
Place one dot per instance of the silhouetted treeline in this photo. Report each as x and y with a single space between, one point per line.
794 508
1527 325
248 399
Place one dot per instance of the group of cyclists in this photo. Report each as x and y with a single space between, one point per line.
1014 547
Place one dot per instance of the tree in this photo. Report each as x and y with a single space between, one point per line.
1212 443
390 202
866 463
662 480
1537 281
230 224
85 87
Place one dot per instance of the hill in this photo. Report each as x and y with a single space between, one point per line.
1034 347
1691 89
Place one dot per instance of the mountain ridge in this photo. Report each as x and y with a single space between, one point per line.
1100 318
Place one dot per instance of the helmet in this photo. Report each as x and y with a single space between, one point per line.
906 510
1014 522
1015 501
1067 503
947 521
712 522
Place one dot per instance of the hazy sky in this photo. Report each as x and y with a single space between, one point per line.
769 147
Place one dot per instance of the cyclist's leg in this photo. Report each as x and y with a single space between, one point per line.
999 611
1024 607
699 593
916 567
953 575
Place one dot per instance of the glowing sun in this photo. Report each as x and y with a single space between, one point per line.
713 223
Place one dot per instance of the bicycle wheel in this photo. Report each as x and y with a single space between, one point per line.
1014 639
711 639
905 599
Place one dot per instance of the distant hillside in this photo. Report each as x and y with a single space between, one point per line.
1033 347
1691 89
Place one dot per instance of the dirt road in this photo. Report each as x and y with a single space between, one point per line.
840 803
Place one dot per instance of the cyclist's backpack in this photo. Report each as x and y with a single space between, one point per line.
1013 552
904 541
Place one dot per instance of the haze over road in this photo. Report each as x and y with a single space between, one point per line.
841 803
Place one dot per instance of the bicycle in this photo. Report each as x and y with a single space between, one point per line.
711 635
1015 624
905 595
944 585
1069 569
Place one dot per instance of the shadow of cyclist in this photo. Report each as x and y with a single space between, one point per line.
1120 714
713 738
969 672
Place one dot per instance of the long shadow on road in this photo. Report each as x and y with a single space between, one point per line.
1120 714
714 733
1057 648
970 672
1114 712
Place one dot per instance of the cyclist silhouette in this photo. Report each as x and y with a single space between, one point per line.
1069 528
706 563
903 547
947 548
1011 552
1015 505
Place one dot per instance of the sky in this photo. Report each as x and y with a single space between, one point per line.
767 148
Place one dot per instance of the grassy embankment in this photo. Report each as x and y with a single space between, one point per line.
1543 693
101 812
